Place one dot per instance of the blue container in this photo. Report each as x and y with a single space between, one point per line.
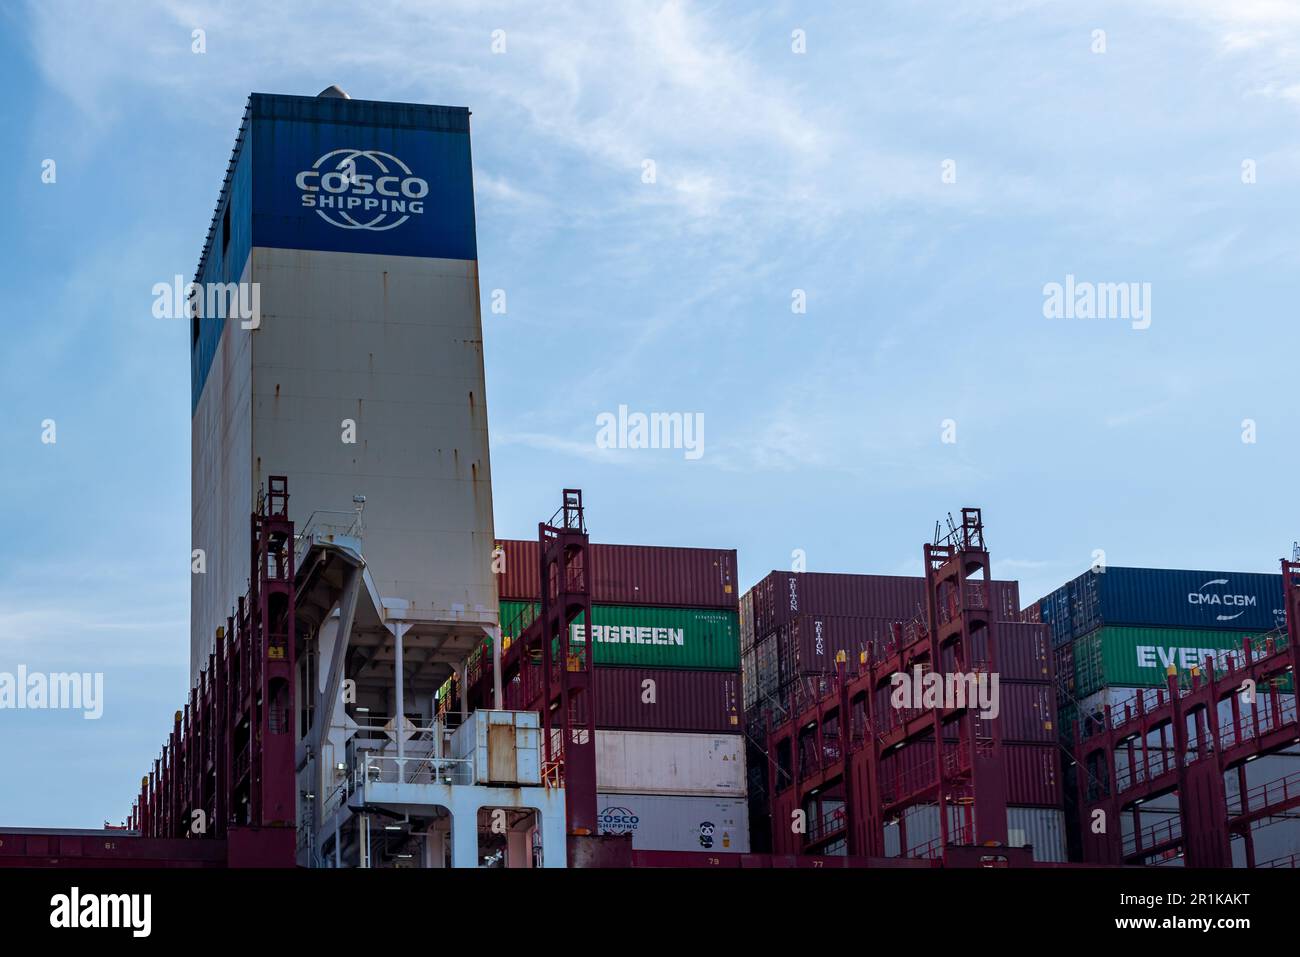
1161 597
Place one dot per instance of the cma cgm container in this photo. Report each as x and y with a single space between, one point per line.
650 637
659 699
1231 601
660 822
663 762
633 575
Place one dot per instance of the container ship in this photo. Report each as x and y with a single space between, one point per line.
378 680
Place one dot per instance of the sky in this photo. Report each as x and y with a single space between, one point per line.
915 173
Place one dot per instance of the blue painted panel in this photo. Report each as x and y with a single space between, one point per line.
356 176
361 177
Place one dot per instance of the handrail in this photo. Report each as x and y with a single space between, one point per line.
373 767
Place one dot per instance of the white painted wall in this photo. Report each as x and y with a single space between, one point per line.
221 492
393 343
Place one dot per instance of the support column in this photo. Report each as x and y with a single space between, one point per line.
463 676
496 669
464 834
399 681
555 835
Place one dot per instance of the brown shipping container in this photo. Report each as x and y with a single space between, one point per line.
1027 712
1033 774
1033 771
634 575
808 644
702 701
1024 652
782 596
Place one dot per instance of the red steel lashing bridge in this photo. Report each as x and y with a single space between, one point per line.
227 770
543 671
853 763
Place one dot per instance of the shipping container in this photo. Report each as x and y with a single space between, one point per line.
1027 712
1276 841
662 822
1123 703
1041 828
1139 657
648 637
811 644
1276 838
746 619
633 575
1033 774
783 596
665 762
660 699
1023 652
1063 659
1234 601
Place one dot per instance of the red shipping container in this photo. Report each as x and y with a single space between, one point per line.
634 575
1064 655
782 596
700 701
1033 774
1027 712
1022 652
809 643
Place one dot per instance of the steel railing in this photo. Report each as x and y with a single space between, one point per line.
378 768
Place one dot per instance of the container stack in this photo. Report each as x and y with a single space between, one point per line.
670 758
1117 631
793 627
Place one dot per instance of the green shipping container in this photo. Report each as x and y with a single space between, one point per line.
650 637
1114 656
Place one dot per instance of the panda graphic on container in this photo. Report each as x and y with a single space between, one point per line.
706 835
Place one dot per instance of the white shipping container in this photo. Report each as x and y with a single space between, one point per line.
665 762
662 822
1041 827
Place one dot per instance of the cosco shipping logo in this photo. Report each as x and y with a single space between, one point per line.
362 189
1204 596
617 820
